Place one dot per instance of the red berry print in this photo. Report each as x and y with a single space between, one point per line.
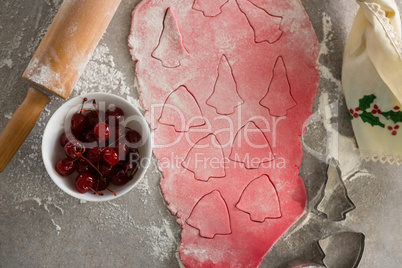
393 129
376 109
375 116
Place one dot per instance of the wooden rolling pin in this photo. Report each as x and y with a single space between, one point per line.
57 64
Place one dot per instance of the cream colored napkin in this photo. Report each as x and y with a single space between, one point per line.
372 80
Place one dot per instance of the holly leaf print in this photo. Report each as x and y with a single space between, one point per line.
395 116
366 101
371 119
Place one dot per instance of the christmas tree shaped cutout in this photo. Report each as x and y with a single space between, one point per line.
210 216
206 159
266 27
260 200
181 110
279 99
225 97
251 147
170 50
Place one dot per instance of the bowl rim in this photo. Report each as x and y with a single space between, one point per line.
53 126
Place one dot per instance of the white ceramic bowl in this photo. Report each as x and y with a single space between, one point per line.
52 151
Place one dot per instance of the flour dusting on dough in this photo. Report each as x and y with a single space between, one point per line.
251 69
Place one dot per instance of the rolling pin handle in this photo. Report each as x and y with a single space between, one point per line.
21 124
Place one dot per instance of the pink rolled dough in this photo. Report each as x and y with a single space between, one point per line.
227 87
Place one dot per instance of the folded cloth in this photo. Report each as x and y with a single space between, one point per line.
372 80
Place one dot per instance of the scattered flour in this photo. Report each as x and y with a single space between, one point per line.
6 62
340 149
324 50
144 188
58 228
46 203
327 31
162 240
54 2
8 115
101 75
117 217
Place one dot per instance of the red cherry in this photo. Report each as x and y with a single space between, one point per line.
93 154
93 118
101 183
72 149
379 111
65 167
394 133
110 156
64 138
396 107
83 166
122 150
105 168
119 130
89 136
396 127
375 106
351 111
115 112
118 175
116 133
356 115
78 122
374 111
84 182
102 131
390 128
357 109
134 157
133 136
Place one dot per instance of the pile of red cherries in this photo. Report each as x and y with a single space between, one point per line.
100 149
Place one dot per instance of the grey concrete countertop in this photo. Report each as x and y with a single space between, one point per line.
41 226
